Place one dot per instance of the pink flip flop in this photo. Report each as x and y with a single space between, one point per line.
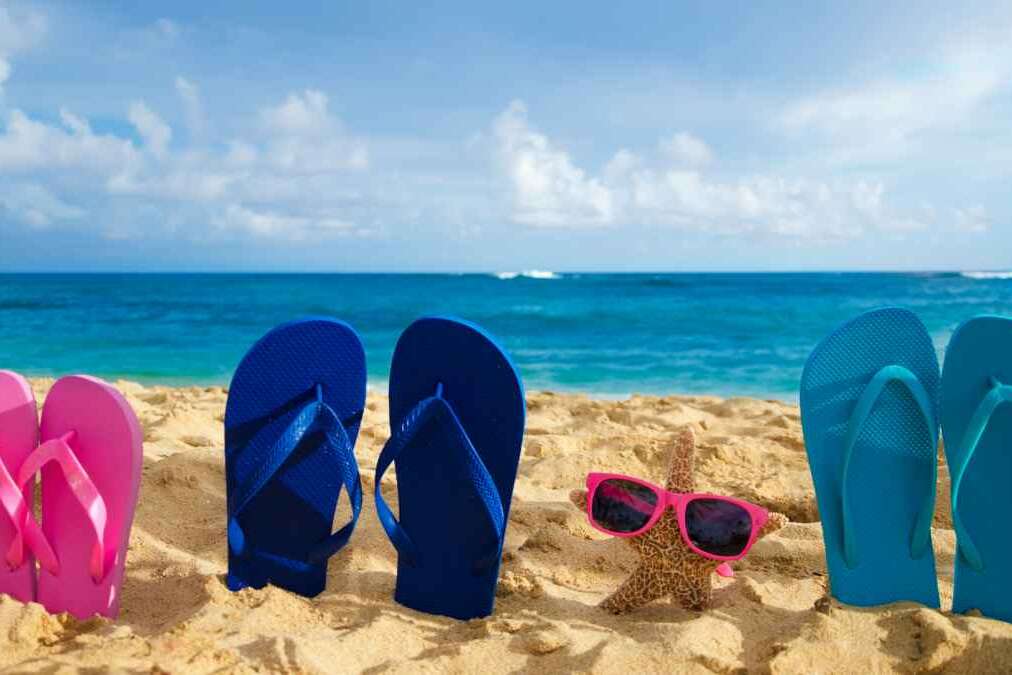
19 434
90 457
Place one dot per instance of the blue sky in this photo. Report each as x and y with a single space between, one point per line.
388 136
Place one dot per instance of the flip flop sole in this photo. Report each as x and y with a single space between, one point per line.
893 462
442 516
19 434
295 510
979 350
108 442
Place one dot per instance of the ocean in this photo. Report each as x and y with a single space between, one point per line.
604 334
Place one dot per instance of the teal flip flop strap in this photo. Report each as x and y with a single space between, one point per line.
998 394
920 537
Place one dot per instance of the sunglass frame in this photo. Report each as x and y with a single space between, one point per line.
678 501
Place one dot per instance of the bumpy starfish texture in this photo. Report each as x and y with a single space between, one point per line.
667 567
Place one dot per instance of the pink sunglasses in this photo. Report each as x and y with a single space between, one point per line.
713 526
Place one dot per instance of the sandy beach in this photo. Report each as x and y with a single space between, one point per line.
179 617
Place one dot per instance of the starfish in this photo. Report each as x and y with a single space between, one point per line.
667 567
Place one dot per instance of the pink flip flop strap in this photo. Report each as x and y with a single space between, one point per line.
84 490
12 500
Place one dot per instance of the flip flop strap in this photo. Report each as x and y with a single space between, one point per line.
84 490
314 416
997 395
920 537
437 409
12 500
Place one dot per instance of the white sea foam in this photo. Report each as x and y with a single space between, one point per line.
528 274
986 275
540 274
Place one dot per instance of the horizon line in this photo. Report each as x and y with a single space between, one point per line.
496 272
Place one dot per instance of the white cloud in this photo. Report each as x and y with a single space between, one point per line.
684 148
621 165
867 197
287 181
885 118
18 33
893 108
298 172
549 190
186 182
27 144
152 128
275 224
196 122
300 115
770 204
971 219
300 142
305 137
35 205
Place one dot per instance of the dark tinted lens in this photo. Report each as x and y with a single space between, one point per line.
622 506
718 527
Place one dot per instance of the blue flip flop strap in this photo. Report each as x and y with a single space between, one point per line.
998 394
315 415
921 534
439 409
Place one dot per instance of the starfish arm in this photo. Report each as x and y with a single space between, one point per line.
774 523
691 587
681 476
644 585
579 499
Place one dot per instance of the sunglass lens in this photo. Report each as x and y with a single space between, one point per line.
622 506
717 526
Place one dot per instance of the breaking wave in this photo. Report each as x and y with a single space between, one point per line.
528 274
986 275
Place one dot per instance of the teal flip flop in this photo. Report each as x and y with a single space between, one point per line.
869 397
977 427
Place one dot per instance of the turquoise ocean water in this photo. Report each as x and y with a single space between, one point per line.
606 334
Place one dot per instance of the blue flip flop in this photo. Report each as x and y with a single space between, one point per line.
457 414
869 412
977 427
293 413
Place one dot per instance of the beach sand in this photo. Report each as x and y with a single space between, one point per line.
179 617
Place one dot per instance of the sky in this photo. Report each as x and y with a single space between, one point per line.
463 136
